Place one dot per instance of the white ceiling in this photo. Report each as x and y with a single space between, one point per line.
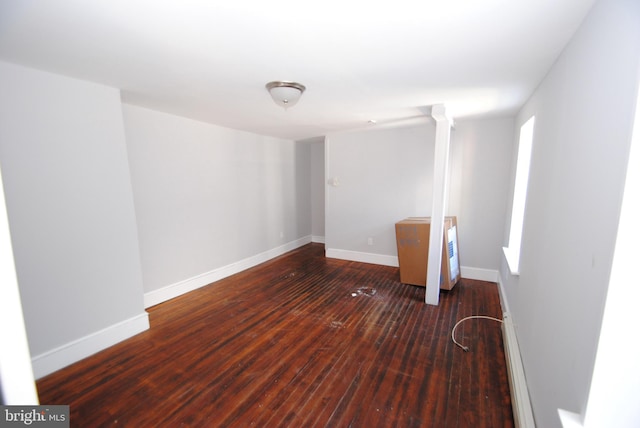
360 60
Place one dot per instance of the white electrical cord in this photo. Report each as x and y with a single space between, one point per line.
453 332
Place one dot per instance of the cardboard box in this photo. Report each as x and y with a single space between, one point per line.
412 238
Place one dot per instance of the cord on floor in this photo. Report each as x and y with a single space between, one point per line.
453 332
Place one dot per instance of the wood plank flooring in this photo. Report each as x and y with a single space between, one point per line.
300 341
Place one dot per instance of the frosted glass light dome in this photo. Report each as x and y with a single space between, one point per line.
285 94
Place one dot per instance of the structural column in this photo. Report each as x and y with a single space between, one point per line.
439 205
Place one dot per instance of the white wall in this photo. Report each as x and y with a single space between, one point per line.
71 214
615 385
480 158
317 189
386 175
208 197
584 110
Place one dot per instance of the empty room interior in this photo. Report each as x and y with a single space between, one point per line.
203 207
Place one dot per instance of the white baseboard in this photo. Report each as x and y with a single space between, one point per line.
317 239
357 256
504 303
479 274
168 292
78 349
520 400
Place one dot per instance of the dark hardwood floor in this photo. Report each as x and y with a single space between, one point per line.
300 341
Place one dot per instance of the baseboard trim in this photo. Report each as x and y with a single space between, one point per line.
317 239
503 295
69 353
480 274
357 256
520 400
171 291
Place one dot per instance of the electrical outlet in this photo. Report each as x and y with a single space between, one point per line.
370 241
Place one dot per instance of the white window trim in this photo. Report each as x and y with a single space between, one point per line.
523 163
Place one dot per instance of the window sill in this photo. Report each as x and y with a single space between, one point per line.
569 419
512 261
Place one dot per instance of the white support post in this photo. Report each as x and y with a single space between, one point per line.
440 187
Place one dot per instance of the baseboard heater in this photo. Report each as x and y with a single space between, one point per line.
522 411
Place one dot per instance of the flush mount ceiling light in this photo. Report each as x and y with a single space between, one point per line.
285 94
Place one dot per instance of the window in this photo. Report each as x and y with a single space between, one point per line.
512 252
